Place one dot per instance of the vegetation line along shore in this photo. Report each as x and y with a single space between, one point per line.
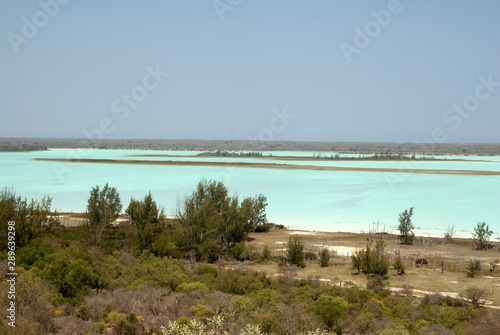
267 166
313 157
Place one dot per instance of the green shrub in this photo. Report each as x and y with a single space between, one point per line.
163 246
256 258
128 327
183 321
329 309
266 253
295 251
266 298
153 271
399 265
71 278
206 269
191 287
206 274
101 327
238 251
363 321
371 260
201 311
34 254
324 258
82 312
473 267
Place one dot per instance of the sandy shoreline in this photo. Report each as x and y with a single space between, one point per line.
73 219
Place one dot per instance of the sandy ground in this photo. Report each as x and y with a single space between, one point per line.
444 273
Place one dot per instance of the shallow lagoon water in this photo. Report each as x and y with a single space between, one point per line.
479 165
302 199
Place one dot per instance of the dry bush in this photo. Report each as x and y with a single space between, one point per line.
69 325
313 281
41 313
98 307
303 321
407 290
448 236
476 295
435 330
376 284
485 323
433 299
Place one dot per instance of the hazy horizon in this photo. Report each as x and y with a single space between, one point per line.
369 71
234 139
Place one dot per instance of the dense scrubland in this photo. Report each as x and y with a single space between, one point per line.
382 148
219 267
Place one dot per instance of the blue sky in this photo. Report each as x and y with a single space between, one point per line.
235 65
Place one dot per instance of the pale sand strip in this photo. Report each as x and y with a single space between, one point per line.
269 166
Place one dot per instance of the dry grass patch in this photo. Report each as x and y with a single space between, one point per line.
444 271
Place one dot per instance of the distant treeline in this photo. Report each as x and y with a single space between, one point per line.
320 156
219 153
363 148
22 147
375 157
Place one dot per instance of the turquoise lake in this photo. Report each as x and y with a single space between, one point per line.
300 199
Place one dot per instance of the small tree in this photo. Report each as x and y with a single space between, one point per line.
295 250
147 218
254 209
378 261
473 267
211 222
481 235
399 265
406 227
324 258
448 236
103 207
32 218
358 259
